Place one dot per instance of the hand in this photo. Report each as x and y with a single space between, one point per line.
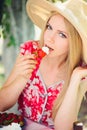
78 74
24 66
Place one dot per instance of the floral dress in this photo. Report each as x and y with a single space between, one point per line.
36 100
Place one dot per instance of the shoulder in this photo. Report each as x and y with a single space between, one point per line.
29 46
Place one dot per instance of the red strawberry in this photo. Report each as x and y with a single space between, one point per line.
8 118
41 53
20 118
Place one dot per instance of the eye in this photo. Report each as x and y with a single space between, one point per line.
48 26
61 34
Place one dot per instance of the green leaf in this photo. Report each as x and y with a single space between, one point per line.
11 42
8 2
7 122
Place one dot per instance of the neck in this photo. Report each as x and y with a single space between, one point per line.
57 62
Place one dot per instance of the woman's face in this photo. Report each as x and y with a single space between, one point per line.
56 36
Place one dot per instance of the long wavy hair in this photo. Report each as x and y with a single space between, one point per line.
73 59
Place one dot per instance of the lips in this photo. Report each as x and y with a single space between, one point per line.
50 49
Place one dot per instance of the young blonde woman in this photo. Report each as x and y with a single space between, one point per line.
53 97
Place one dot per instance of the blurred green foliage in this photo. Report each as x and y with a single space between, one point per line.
6 25
8 2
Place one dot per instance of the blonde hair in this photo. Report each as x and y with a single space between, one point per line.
73 59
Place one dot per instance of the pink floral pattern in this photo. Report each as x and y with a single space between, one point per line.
36 101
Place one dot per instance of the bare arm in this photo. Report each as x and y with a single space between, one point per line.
68 111
24 66
9 94
16 81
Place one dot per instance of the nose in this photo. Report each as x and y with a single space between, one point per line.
51 38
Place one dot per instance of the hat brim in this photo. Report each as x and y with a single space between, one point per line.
40 10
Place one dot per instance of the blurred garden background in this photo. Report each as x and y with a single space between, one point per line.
16 28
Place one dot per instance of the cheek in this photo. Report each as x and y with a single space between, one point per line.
45 36
62 47
66 47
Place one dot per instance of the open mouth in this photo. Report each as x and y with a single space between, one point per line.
50 49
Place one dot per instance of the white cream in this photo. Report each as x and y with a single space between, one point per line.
13 126
79 124
45 49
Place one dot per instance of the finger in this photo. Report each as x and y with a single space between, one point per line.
21 58
31 67
27 63
28 56
27 68
80 72
28 73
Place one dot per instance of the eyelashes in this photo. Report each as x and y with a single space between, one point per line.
60 33
48 26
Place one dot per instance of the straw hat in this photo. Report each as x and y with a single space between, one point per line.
75 11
